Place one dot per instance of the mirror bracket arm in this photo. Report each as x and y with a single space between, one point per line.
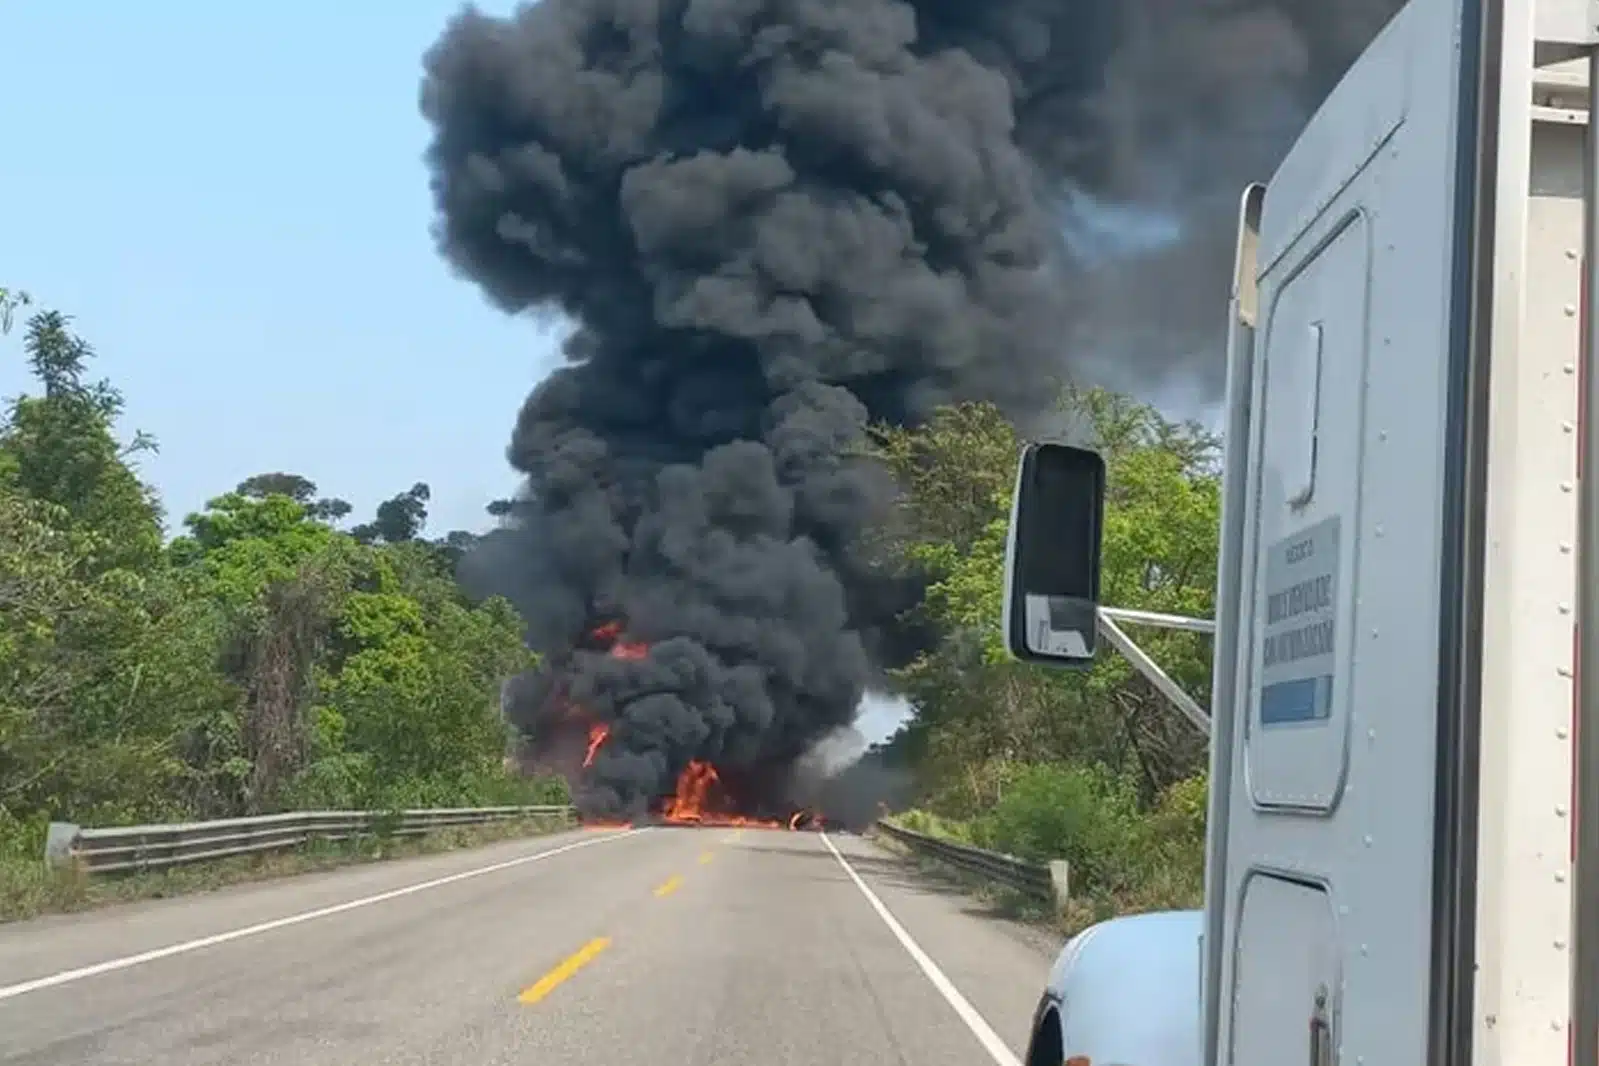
1186 704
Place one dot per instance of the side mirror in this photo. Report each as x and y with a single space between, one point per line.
1052 556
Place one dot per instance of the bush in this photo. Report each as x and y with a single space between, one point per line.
1080 814
1123 859
22 838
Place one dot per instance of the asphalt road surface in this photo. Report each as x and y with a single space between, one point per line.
661 947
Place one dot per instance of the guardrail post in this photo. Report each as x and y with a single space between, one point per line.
1060 882
58 842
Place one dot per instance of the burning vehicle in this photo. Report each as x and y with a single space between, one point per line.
701 795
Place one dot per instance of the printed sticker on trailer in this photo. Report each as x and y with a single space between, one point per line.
1299 627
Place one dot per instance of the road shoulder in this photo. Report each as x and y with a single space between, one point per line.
999 963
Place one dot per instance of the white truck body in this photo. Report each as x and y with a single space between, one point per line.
1392 836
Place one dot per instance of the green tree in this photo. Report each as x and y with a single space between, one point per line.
453 546
60 447
410 697
300 489
103 672
247 544
105 662
280 579
399 519
367 675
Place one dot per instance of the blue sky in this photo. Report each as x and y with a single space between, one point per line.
230 200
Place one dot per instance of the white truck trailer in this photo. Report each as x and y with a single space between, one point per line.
1403 845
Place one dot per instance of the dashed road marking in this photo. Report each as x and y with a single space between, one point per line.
569 966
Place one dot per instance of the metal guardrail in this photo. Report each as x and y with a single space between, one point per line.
1042 881
155 847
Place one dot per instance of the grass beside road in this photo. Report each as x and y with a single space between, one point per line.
29 888
1153 865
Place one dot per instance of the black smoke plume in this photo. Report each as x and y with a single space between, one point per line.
769 222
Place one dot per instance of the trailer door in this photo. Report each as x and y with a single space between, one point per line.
1354 674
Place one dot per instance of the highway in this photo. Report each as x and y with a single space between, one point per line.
688 947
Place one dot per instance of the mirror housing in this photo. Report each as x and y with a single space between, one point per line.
1052 556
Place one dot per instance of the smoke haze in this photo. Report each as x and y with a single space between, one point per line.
771 221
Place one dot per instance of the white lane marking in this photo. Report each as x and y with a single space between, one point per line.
980 1028
112 965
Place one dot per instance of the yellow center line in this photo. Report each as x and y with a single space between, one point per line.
672 884
706 857
573 963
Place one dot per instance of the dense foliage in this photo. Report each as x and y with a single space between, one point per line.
262 660
1093 767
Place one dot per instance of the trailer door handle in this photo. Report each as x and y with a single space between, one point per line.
1321 1048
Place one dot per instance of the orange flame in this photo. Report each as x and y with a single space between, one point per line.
693 786
695 799
620 649
597 735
